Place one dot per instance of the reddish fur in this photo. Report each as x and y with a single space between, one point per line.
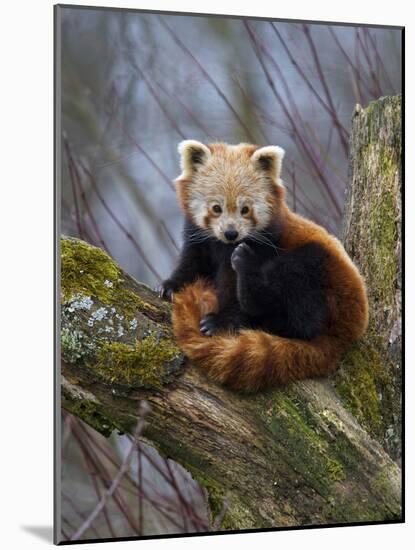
182 192
253 359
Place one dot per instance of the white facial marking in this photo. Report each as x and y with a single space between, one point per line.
202 210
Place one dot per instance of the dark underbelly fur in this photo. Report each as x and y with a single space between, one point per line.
260 285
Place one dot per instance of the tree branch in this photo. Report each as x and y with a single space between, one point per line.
285 457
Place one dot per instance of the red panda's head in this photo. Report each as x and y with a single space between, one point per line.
230 190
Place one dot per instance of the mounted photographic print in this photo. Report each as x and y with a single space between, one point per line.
228 274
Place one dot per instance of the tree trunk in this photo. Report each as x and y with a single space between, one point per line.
370 376
284 457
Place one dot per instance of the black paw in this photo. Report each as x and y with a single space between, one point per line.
213 323
242 256
166 289
210 324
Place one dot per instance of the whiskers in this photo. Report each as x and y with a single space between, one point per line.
261 238
197 235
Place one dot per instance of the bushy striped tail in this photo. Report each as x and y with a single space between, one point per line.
251 359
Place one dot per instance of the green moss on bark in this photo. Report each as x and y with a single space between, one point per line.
108 327
309 452
147 363
363 382
382 264
369 378
96 416
86 270
91 272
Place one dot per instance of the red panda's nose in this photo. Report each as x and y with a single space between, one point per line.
230 234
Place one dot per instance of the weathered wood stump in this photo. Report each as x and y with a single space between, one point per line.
370 375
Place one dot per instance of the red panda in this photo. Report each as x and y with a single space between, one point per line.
261 296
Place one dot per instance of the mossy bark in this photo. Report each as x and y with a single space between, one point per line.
286 457
370 376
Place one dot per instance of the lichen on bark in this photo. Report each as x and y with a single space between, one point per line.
283 457
370 376
89 271
108 327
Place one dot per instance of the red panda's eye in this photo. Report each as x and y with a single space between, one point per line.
216 208
245 210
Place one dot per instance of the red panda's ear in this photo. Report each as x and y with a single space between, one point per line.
269 160
193 154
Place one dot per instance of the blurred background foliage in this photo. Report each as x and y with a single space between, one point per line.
134 85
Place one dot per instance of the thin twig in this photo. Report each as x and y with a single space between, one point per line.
78 180
358 81
140 490
80 514
170 236
106 478
153 93
176 99
376 89
75 199
119 224
99 496
343 135
159 505
117 479
380 61
208 78
258 48
137 146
